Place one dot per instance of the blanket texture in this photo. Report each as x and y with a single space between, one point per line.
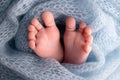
17 60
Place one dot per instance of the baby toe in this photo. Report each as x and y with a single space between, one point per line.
87 48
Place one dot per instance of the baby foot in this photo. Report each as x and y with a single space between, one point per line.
45 41
77 43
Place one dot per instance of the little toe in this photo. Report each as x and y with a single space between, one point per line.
82 26
87 48
32 44
36 23
48 19
70 24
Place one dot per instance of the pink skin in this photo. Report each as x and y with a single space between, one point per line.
45 41
77 43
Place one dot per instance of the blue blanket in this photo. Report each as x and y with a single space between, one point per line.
17 60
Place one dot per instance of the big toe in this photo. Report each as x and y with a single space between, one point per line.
70 24
48 19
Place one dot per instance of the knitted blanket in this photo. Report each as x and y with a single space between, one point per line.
17 60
